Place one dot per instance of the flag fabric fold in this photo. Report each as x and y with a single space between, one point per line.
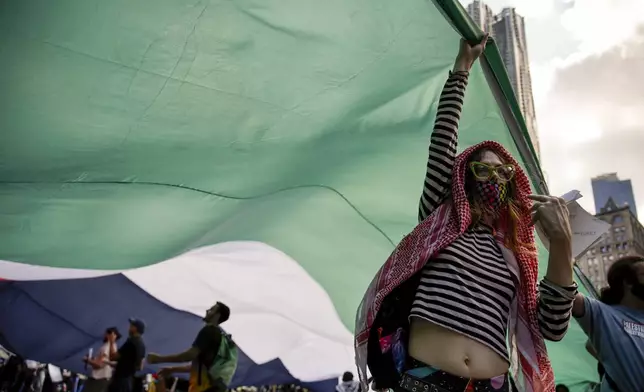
159 156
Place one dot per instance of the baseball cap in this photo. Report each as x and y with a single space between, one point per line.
115 330
139 324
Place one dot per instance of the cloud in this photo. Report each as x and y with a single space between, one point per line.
564 32
601 24
591 120
587 67
587 26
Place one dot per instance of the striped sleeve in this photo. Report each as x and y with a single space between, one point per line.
442 146
554 309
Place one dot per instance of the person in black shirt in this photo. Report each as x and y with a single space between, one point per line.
202 354
129 358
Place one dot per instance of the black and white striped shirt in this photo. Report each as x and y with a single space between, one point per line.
468 287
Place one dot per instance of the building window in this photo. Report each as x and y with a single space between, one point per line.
619 229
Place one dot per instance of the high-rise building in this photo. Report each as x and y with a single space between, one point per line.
508 30
625 238
509 33
482 15
609 186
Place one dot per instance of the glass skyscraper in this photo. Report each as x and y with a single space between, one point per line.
610 186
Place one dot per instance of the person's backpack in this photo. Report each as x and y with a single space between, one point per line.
225 362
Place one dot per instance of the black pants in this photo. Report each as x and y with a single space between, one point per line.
96 385
121 384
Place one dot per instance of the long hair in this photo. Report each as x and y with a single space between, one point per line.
509 214
621 271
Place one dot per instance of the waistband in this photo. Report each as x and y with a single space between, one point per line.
420 377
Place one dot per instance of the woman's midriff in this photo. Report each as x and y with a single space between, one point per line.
453 352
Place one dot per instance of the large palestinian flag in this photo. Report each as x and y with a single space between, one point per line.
157 156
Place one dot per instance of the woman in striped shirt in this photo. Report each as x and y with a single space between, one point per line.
463 302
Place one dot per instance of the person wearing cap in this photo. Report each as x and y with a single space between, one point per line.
101 365
129 358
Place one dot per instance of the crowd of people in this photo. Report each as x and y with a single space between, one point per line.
210 363
114 368
464 283
19 375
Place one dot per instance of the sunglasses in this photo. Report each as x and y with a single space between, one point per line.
483 171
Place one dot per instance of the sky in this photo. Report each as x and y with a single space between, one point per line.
587 68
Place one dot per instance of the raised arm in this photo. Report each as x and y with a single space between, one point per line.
442 146
558 290
444 139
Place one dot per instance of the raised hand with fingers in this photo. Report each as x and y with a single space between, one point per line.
553 216
468 53
552 213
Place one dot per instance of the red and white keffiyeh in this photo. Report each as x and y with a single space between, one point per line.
530 365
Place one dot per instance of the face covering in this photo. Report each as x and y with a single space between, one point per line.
492 194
